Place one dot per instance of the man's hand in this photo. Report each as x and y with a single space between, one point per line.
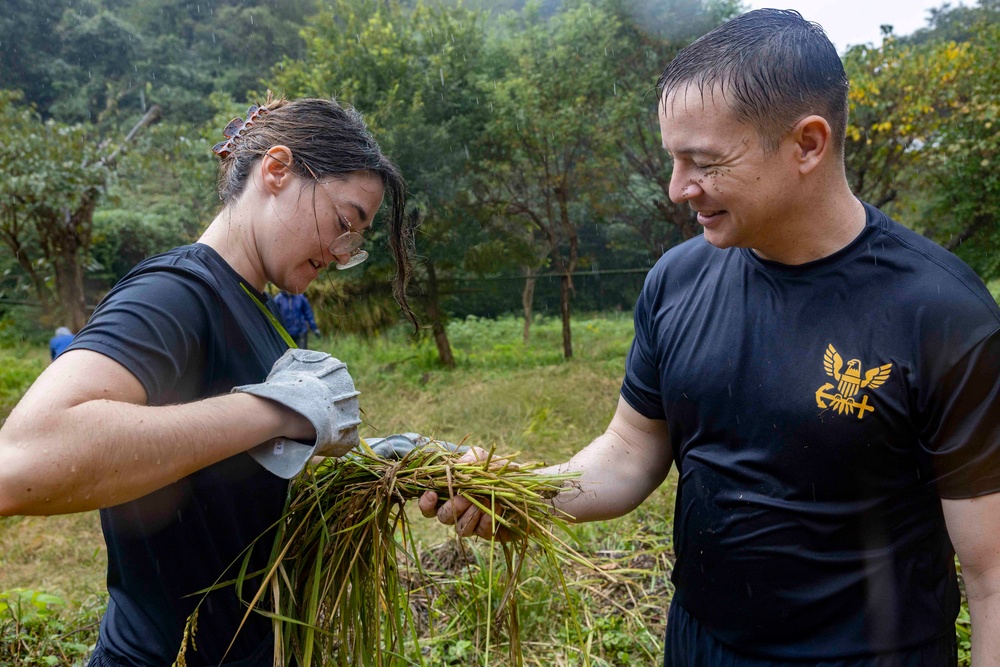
462 513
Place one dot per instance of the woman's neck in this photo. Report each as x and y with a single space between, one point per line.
231 235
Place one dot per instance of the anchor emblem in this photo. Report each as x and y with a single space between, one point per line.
849 383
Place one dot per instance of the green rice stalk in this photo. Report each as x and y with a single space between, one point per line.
336 592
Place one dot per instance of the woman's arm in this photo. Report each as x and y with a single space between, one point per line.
82 437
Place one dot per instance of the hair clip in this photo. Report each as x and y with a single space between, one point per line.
235 129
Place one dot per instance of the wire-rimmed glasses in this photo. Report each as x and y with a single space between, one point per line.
349 243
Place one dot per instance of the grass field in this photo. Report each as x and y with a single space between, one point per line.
523 398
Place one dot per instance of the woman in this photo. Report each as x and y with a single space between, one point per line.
150 413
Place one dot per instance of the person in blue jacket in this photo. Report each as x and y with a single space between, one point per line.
60 342
297 316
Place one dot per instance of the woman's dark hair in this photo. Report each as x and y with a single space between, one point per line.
326 139
773 66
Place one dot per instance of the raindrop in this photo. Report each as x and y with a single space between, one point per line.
442 76
213 38
251 19
615 86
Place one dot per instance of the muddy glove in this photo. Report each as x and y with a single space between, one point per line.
399 445
318 387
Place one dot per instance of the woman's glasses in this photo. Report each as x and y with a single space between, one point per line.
349 243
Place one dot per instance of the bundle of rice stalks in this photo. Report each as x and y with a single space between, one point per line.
336 591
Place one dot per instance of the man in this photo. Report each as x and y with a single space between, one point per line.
825 379
297 316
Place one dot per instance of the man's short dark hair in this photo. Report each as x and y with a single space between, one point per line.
774 68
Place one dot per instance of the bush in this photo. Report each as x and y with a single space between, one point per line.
39 629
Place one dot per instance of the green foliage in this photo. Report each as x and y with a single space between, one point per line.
963 632
22 364
31 58
924 126
21 326
415 73
37 628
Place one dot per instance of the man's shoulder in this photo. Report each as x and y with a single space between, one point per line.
926 272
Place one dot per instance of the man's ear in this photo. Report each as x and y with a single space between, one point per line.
813 139
276 168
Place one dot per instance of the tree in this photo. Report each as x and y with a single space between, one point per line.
924 127
653 33
414 73
30 61
551 148
52 180
900 97
966 151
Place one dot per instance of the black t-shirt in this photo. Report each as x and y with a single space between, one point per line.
817 415
183 325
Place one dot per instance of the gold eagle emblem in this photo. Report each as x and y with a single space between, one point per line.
849 383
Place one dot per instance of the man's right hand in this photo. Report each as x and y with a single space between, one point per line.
462 513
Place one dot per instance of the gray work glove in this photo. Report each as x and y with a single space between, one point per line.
399 445
318 387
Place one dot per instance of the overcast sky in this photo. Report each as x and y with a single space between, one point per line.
850 22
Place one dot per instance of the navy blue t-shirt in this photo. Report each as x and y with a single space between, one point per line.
817 414
184 326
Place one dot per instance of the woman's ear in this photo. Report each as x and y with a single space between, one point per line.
276 168
814 142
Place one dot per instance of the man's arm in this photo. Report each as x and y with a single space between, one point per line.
974 528
82 437
618 471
